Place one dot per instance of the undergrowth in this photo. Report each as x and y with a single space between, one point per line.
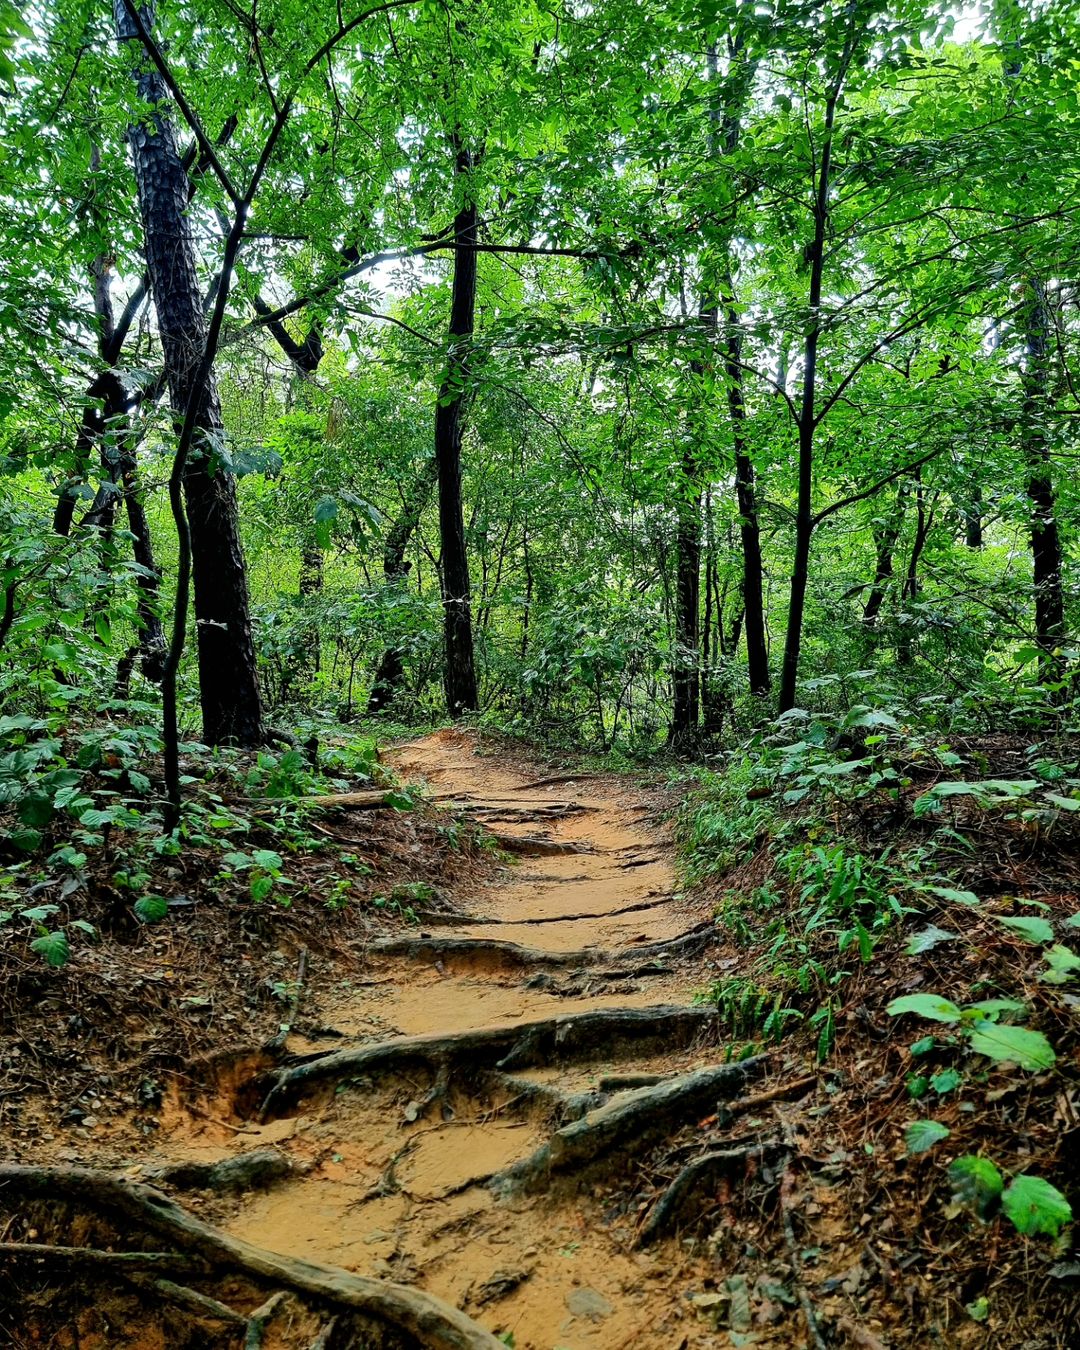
857 855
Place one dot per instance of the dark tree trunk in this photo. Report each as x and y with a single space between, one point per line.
912 585
753 588
107 429
885 538
973 519
460 669
1046 555
228 678
804 518
390 671
686 665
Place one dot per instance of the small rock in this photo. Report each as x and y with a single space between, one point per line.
586 1302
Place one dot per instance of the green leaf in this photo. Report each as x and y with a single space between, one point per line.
53 947
977 1184
1063 964
945 1080
1030 927
1028 1049
151 908
933 1006
979 1310
261 886
28 841
103 628
928 939
1073 921
1065 803
991 1007
922 1135
1035 1206
951 893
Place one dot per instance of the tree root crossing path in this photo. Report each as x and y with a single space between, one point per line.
484 1139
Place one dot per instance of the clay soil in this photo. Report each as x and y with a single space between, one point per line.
438 1168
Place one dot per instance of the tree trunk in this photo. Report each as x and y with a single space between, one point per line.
1046 555
460 669
973 519
886 538
686 665
228 678
807 420
753 588
390 671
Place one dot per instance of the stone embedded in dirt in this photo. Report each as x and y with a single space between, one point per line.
500 1283
589 1304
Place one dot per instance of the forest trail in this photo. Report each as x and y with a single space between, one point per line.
394 1170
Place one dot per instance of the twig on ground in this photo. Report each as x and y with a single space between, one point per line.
260 1320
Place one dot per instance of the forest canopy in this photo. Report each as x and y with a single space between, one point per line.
626 371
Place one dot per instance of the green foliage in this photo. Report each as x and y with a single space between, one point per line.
921 1135
978 1023
1034 1206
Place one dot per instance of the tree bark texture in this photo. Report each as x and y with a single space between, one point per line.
460 668
228 679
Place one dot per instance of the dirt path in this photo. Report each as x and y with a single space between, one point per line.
489 1110
398 1168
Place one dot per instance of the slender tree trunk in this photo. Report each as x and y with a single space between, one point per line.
686 665
228 678
753 585
390 672
459 672
1046 556
973 519
886 538
807 421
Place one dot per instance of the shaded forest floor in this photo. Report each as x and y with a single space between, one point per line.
496 1081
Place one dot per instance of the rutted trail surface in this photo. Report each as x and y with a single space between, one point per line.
492 1127
401 1161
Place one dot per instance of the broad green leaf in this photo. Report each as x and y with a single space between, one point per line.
1028 926
951 893
933 1006
922 1135
151 908
945 1080
927 939
53 947
1063 963
977 1184
1035 1206
991 1007
1065 803
1018 1045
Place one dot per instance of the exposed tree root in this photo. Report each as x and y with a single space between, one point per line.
247 1172
428 1320
202 1305
537 845
635 908
628 1082
368 800
439 949
433 949
703 1172
524 1045
260 1319
631 1118
124 1262
560 778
